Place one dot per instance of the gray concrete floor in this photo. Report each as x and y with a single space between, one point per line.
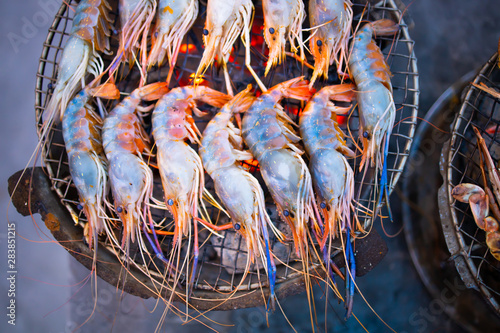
452 37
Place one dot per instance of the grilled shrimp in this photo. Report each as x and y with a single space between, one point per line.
282 21
267 132
135 18
180 166
226 20
173 20
330 41
333 177
89 35
377 111
87 163
238 190
124 140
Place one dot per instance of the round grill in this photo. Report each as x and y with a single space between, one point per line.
461 164
219 268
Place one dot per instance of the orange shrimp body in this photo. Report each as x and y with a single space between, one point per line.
330 41
124 141
87 163
282 21
333 177
89 36
266 129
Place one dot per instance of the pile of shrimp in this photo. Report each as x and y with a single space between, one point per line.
115 149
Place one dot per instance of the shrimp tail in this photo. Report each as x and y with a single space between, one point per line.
211 97
242 101
385 27
153 91
106 90
296 88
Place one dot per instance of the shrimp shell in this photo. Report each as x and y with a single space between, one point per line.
89 35
283 21
332 175
173 20
225 21
330 42
124 140
238 190
372 76
267 130
86 160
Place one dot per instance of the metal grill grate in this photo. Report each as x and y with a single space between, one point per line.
215 273
465 240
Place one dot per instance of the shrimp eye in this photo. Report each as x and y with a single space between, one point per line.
50 86
271 31
366 135
323 205
119 209
205 32
237 226
286 212
319 42
170 202
79 206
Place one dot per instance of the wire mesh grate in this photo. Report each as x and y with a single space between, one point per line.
219 264
481 110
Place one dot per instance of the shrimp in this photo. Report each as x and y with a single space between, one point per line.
180 166
332 175
239 191
124 140
173 20
226 20
330 41
87 163
282 21
377 111
89 35
135 18
267 131
479 203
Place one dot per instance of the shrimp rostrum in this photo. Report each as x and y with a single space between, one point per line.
87 163
124 141
180 167
89 35
370 72
239 191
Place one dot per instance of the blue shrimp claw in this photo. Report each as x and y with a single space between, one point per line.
384 184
